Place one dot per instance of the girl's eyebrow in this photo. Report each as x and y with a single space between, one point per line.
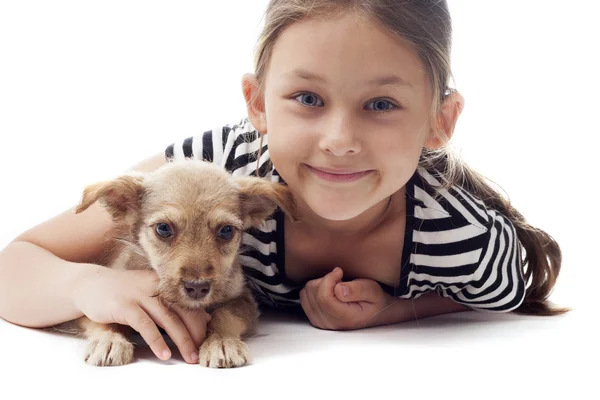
391 80
388 80
304 74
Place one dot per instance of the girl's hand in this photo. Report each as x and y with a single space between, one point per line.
332 304
127 297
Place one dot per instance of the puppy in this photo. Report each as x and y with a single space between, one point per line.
185 221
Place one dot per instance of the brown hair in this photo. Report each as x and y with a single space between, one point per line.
426 25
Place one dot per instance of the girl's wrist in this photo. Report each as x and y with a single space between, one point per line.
396 311
84 272
428 305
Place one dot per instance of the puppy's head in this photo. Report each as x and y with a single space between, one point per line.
186 219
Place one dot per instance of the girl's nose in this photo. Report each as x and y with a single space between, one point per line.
340 138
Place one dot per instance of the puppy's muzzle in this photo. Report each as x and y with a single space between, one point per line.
196 290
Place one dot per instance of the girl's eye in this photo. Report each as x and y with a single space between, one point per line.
381 105
309 99
226 232
163 230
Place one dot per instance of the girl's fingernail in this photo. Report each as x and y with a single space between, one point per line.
165 354
345 290
194 357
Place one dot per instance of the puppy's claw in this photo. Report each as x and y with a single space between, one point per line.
109 349
217 352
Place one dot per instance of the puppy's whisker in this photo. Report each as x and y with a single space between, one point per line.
243 248
132 245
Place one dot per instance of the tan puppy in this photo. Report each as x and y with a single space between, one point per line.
185 221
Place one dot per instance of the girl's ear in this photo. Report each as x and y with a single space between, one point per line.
255 103
445 121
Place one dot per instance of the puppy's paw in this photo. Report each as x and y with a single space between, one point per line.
218 352
109 349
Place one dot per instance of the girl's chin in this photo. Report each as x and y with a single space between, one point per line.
336 212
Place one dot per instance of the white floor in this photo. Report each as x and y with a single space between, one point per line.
466 355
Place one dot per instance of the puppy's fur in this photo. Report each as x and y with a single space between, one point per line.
202 204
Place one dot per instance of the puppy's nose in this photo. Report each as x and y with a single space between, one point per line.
196 290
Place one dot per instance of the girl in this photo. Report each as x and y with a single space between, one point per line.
349 106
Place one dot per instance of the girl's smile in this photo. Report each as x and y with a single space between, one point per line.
338 175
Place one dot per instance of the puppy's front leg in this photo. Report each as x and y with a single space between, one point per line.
108 343
223 347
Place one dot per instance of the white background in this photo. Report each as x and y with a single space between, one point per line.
87 89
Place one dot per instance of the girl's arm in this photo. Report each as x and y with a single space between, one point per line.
39 268
428 305
332 304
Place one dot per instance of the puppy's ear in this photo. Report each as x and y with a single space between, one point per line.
119 196
260 199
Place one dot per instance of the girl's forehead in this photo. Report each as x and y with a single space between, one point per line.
357 48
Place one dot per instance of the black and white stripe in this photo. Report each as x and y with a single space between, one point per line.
454 244
461 248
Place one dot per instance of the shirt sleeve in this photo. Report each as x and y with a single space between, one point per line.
497 285
235 147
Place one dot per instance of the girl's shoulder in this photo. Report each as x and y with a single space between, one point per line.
455 243
433 199
235 146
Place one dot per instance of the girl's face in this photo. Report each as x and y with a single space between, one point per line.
346 111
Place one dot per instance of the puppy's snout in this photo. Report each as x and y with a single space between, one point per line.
196 290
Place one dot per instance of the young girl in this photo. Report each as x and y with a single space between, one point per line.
350 106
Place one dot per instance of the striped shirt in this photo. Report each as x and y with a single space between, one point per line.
454 244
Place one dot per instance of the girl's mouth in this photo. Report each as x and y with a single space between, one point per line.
338 175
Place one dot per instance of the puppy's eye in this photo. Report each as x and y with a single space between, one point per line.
164 230
226 232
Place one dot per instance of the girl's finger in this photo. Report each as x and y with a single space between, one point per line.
145 326
365 290
195 322
174 326
307 307
312 285
325 294
318 319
